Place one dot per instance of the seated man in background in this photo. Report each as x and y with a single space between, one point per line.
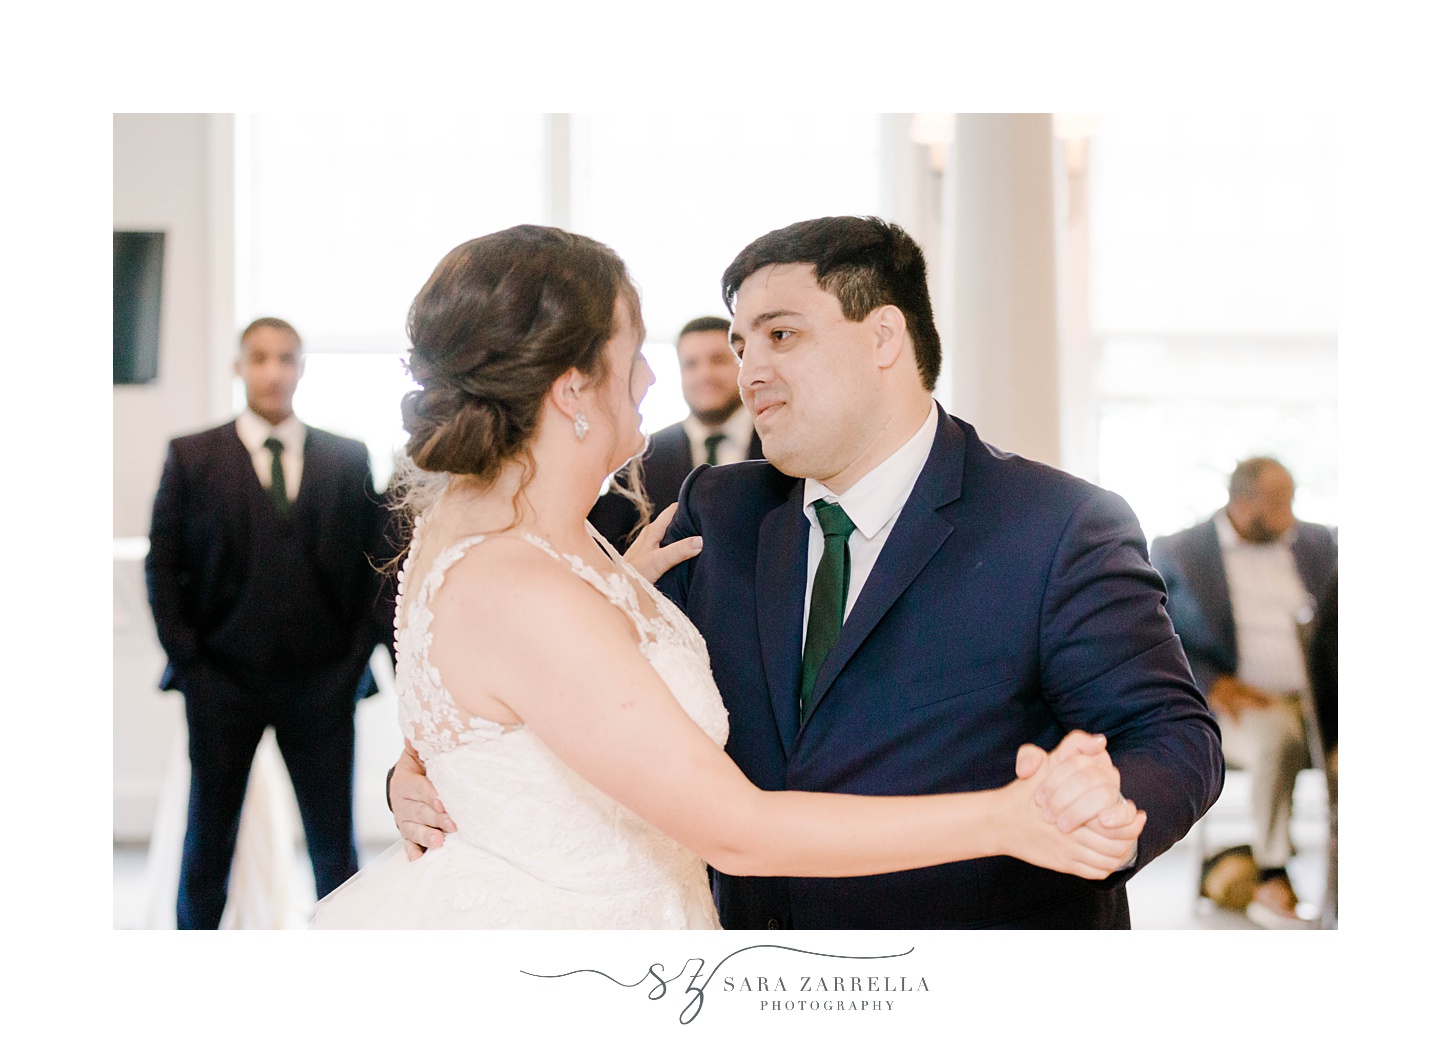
1238 585
717 431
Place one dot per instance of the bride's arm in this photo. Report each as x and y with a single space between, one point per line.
565 661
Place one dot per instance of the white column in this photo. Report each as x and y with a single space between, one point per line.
999 315
224 185
558 141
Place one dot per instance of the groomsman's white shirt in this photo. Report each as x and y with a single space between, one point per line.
253 431
732 449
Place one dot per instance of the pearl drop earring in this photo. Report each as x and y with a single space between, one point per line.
581 425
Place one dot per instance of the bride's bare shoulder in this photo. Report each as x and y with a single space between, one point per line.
508 580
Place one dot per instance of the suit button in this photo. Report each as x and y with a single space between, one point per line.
773 924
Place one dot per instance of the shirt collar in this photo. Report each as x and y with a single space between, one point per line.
879 495
737 428
253 431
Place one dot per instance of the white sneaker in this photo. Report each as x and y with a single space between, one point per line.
1263 916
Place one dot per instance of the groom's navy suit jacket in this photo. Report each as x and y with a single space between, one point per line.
663 467
1010 604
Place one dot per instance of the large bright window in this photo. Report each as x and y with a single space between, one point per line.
679 195
342 218
1212 287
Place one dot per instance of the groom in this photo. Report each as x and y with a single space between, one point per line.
893 606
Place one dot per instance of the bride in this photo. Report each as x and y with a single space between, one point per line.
564 709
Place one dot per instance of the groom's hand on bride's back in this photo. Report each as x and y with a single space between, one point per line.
417 811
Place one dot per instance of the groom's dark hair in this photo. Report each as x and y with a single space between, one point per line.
864 262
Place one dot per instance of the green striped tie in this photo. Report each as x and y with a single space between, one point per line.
828 596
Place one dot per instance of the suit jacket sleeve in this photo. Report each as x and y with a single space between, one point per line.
676 583
1111 663
171 587
167 575
1186 611
374 624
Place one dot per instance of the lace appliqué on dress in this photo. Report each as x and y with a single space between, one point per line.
427 713
537 846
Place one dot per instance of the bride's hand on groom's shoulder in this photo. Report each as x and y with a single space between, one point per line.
417 811
652 560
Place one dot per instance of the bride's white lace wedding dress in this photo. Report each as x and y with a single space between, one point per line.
536 846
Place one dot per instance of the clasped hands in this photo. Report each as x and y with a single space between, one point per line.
1075 790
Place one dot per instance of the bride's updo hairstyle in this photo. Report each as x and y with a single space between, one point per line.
499 320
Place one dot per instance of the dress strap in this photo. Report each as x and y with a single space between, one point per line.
442 561
616 587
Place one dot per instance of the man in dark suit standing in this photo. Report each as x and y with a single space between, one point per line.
268 606
717 431
894 607
1238 586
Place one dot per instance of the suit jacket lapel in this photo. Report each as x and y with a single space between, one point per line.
917 535
312 468
1204 570
242 474
780 608
1310 565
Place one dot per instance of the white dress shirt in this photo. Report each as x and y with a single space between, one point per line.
1266 597
733 448
873 504
254 431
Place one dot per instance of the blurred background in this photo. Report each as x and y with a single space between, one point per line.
1141 300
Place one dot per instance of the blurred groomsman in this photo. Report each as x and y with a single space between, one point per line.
717 431
268 606
1238 585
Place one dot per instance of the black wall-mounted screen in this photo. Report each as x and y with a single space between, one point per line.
136 306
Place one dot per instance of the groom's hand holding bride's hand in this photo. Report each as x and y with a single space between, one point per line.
652 560
1076 788
1079 783
417 811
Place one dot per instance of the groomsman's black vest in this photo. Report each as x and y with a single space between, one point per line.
281 624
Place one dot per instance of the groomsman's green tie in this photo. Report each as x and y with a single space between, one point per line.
278 489
828 596
712 445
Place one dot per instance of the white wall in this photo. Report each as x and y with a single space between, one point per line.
162 181
162 175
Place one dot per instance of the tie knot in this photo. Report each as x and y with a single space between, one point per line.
273 445
712 446
834 520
